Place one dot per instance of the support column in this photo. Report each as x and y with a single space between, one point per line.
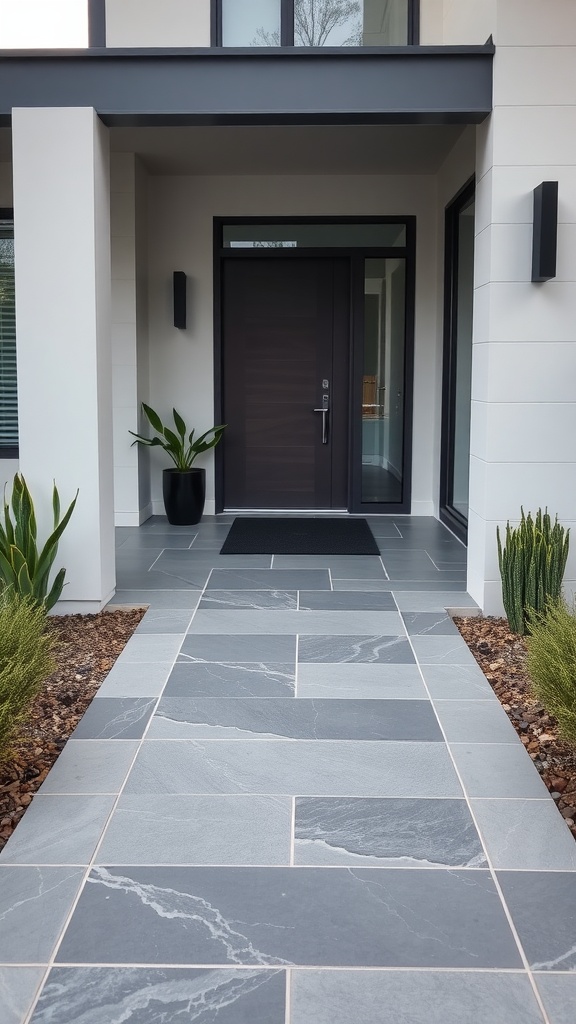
62 245
524 354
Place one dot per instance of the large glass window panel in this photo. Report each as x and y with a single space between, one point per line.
383 380
43 24
8 390
462 361
251 22
350 22
303 236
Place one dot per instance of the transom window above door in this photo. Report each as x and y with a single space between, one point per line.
247 23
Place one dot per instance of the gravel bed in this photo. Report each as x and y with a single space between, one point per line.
87 647
502 657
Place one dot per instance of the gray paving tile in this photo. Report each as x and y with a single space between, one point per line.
115 718
442 650
457 682
376 648
475 721
497 770
18 986
157 598
366 567
158 541
408 586
418 575
332 600
558 992
135 680
96 767
273 718
429 624
235 680
308 768
152 580
58 830
312 622
34 904
146 648
148 995
365 586
199 830
543 908
184 561
277 916
386 833
413 997
348 680
165 620
250 599
269 579
525 835
238 647
431 599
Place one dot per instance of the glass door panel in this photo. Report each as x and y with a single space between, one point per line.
383 385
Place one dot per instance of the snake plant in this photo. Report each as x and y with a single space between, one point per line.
23 566
532 561
179 444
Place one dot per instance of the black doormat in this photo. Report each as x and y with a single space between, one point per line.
255 536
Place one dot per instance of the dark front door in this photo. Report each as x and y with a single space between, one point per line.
285 325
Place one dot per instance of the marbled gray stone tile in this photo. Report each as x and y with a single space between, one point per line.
543 908
146 648
250 599
182 561
302 719
165 620
475 721
413 997
365 586
144 995
277 917
360 567
18 986
158 541
322 623
376 648
386 833
179 599
460 682
397 586
135 680
558 992
97 767
497 770
349 680
351 600
432 598
429 624
139 580
224 649
312 768
210 679
442 650
114 718
58 830
269 579
525 835
199 830
34 904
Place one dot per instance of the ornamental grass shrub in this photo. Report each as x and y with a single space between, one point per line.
26 659
551 664
532 561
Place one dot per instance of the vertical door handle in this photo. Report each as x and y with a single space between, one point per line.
325 412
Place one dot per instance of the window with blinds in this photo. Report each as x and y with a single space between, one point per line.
8 391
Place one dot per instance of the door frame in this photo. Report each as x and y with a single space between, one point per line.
356 257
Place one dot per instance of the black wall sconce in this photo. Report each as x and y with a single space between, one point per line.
179 284
545 235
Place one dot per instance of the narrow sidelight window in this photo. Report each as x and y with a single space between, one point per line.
8 392
251 22
317 22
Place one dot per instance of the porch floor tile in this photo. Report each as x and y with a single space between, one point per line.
287 804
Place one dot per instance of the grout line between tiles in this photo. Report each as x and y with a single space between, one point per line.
293 832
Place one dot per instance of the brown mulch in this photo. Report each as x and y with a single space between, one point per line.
502 657
87 647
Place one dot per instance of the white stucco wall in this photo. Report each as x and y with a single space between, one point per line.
158 22
181 211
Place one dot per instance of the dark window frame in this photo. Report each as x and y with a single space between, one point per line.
449 515
356 257
96 24
8 451
287 23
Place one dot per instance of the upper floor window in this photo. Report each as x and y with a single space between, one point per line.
8 391
243 23
43 24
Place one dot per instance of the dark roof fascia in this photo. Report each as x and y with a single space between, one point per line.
326 85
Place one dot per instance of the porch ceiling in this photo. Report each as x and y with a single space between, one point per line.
373 149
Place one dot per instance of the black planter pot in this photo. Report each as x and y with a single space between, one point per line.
184 493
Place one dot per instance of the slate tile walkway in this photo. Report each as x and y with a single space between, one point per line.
295 800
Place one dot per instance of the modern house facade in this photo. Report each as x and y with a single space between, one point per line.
349 190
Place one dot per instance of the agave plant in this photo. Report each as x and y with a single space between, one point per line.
532 561
179 444
24 567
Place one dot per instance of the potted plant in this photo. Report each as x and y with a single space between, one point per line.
183 487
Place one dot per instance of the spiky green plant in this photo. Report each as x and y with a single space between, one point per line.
551 664
179 445
23 566
532 562
26 659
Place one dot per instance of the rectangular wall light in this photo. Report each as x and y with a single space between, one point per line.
179 279
545 234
